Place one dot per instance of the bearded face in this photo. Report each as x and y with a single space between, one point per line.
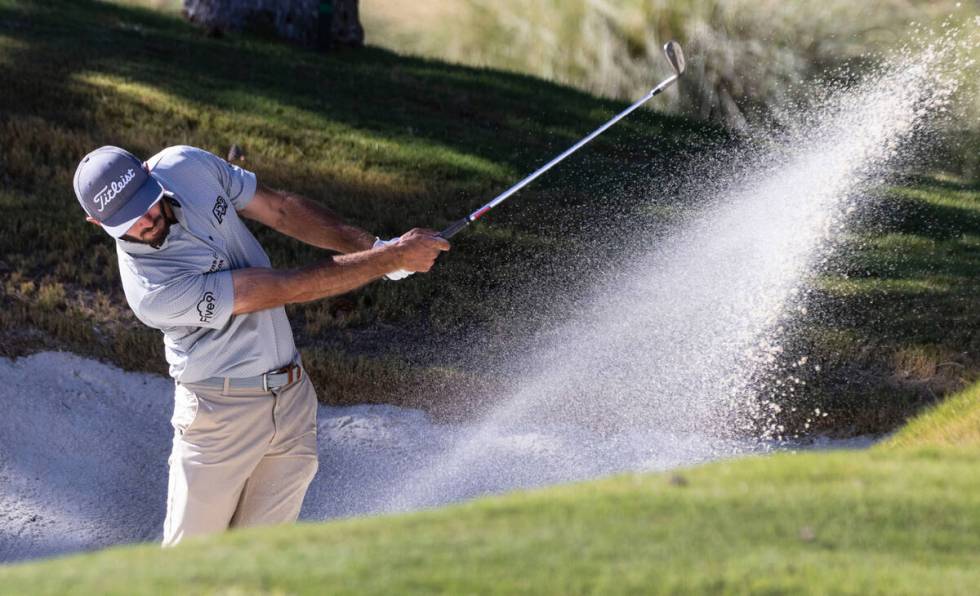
154 226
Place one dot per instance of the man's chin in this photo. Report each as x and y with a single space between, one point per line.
156 241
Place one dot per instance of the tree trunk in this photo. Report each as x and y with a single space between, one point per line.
345 24
313 23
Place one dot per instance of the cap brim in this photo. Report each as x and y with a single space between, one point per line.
147 196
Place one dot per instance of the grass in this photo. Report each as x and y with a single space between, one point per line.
388 141
893 317
900 518
745 56
393 142
954 423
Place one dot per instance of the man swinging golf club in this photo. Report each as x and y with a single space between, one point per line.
244 446
244 449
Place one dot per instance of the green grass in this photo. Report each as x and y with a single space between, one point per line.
953 423
744 57
394 142
390 142
900 518
893 320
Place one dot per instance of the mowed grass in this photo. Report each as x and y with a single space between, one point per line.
900 518
955 423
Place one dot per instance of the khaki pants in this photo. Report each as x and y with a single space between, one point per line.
240 458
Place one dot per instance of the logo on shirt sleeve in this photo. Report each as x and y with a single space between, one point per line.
206 307
220 208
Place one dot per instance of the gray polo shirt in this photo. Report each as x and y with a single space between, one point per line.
184 288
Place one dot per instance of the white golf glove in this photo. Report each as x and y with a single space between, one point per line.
394 275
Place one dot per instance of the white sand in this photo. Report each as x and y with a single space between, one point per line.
84 446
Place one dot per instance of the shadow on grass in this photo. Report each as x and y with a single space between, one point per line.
912 215
434 140
390 142
473 112
893 324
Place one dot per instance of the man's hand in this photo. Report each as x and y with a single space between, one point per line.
418 249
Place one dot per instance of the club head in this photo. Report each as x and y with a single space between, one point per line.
675 56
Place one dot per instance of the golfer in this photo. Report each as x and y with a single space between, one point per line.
244 446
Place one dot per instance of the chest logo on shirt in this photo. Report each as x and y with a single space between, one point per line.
205 308
220 209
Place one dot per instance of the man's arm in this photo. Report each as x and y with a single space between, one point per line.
305 220
259 288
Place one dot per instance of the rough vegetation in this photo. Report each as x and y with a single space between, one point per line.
955 423
394 142
892 321
389 142
748 58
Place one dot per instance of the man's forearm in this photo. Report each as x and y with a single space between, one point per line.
310 222
259 288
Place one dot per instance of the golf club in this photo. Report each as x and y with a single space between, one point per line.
675 56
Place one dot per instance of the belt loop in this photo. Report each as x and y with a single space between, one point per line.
225 388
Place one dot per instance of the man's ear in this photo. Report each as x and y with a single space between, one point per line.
93 221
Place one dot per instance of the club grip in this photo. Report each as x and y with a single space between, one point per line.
454 228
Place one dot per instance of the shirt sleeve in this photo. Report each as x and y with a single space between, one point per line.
192 300
238 183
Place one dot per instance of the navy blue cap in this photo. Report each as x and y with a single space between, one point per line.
114 189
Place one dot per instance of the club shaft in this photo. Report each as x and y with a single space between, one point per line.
459 225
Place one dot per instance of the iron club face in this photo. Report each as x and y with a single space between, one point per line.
675 56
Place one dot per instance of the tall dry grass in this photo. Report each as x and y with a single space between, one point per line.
744 56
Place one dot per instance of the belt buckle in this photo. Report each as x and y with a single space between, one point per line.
265 380
286 370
